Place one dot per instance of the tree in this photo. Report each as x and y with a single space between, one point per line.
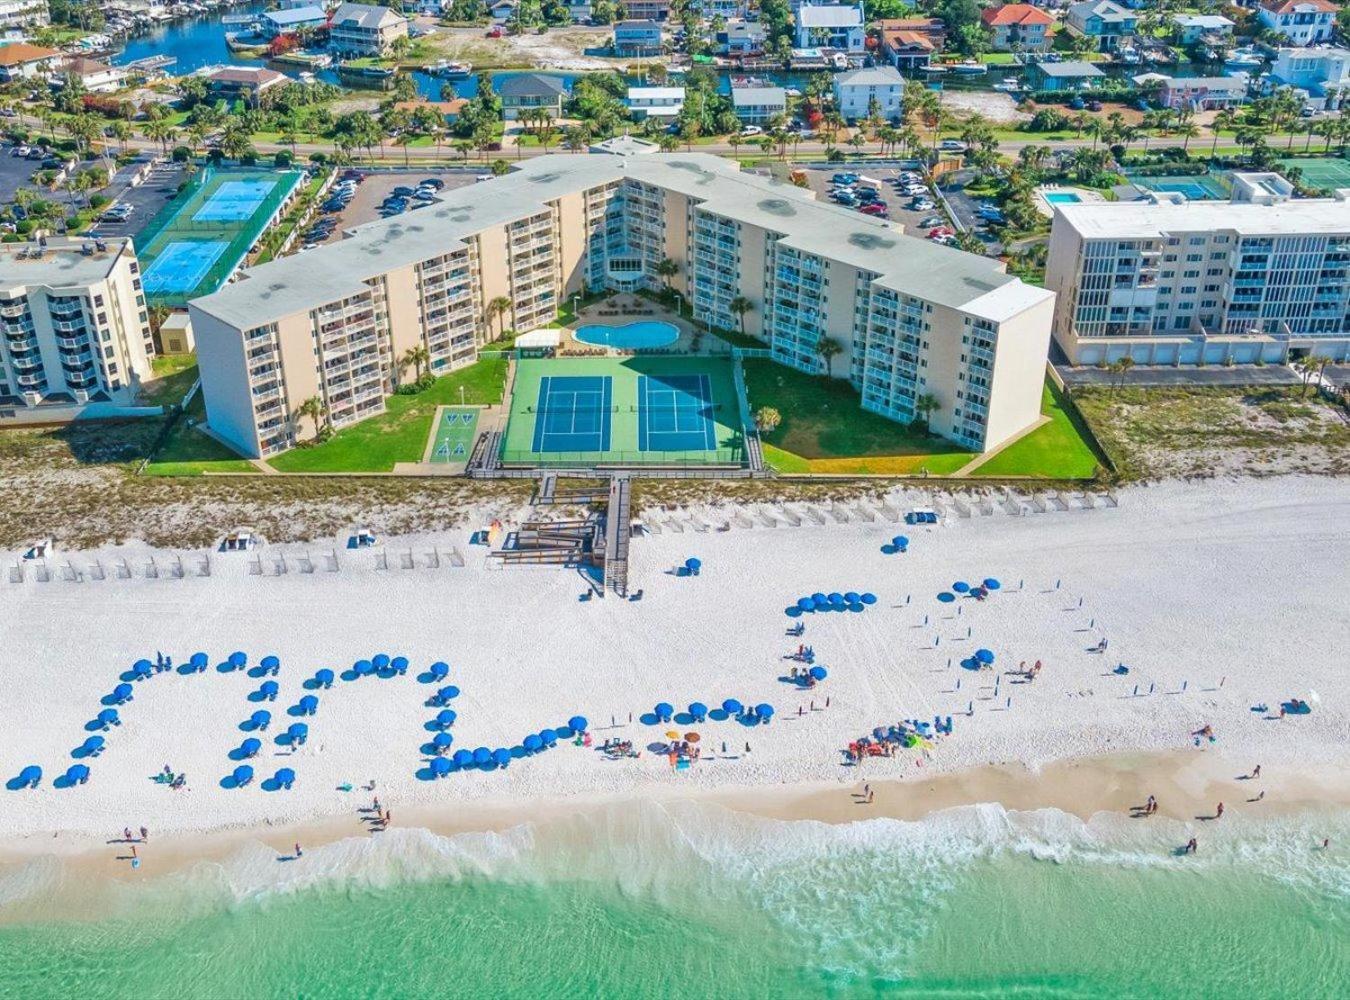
315 409
415 358
1120 368
924 405
827 348
1223 120
500 167
767 419
497 310
665 270
740 305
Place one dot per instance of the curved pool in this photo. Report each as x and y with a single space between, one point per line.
630 336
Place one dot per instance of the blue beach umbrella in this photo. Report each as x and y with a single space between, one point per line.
852 597
548 736
991 584
564 732
242 775
764 710
577 722
447 693
501 756
268 689
309 704
297 732
198 661
792 611
91 746
238 659
961 587
380 661
400 664
142 668
869 598
806 604
324 677
250 747
900 541
285 777
442 740
363 668
445 718
857 609
984 655
819 673
693 564
732 707
440 670
270 663
109 717
462 757
440 767
698 710
77 774
260 719
664 710
818 599
946 597
482 755
122 693
836 597
30 776
532 743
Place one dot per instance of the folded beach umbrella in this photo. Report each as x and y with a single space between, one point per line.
501 756
242 775
869 598
122 693
577 722
445 718
698 710
482 756
324 677
819 673
532 743
440 767
984 655
30 776
250 747
764 710
439 670
442 740
462 758
77 774
238 659
270 663
732 707
142 668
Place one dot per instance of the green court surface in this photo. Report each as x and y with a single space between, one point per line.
1326 173
629 411
455 429
199 237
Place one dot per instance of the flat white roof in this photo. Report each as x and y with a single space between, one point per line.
829 17
1138 219
656 93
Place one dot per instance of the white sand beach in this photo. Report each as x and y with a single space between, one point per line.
1218 596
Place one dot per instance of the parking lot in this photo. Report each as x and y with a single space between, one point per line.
379 185
146 199
818 180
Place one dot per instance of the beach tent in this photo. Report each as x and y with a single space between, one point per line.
819 673
284 777
501 756
121 694
732 707
698 710
77 774
482 756
439 670
250 747
578 723
242 775
441 741
440 767
30 776
445 718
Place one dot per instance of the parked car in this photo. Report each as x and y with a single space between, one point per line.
952 146
403 191
932 220
844 179
877 208
845 198
432 182
752 130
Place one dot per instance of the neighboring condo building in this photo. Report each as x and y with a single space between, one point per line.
1167 281
74 327
909 318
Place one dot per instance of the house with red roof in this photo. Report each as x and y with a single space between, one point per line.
1018 27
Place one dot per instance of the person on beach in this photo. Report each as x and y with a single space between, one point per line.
1150 806
145 835
1218 813
1256 771
1192 846
747 748
126 834
299 853
133 851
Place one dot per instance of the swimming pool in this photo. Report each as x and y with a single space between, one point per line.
630 336
1062 198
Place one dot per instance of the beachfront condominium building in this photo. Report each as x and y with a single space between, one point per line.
74 327
23 14
903 318
1170 281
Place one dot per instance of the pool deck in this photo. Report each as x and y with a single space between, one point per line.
621 309
1047 208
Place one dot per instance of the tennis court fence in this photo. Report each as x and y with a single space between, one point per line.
730 456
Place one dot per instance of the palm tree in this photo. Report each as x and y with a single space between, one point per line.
315 409
740 305
415 358
666 269
1187 131
1223 120
497 310
827 348
924 405
767 419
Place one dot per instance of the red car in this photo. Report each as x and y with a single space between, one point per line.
941 231
873 210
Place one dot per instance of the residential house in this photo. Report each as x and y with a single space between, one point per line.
292 20
15 14
1105 22
637 38
359 29
247 83
1194 29
502 10
94 76
1323 74
834 27
932 28
1203 93
906 49
756 105
647 10
741 38
1018 27
727 9
449 110
1303 22
579 10
21 61
656 102
1063 75
532 92
857 93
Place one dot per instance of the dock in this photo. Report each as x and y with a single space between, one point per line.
618 533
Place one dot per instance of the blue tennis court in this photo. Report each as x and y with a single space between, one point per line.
235 201
573 413
675 413
179 267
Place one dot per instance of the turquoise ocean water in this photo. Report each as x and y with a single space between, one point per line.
687 900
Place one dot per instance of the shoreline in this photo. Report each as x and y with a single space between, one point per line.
1187 784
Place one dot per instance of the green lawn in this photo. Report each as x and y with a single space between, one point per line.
1057 450
400 433
174 375
189 452
824 429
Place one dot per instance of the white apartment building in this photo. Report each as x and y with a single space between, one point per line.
911 318
656 102
23 14
1168 281
857 91
1303 22
74 327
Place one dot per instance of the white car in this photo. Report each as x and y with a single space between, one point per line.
952 146
752 130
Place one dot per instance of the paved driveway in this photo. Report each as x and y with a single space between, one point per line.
1239 375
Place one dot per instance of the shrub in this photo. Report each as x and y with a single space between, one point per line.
181 154
98 201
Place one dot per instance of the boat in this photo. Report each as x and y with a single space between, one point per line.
450 70
1244 57
969 68
1009 85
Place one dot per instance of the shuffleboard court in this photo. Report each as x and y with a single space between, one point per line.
675 413
456 427
573 413
235 201
181 265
